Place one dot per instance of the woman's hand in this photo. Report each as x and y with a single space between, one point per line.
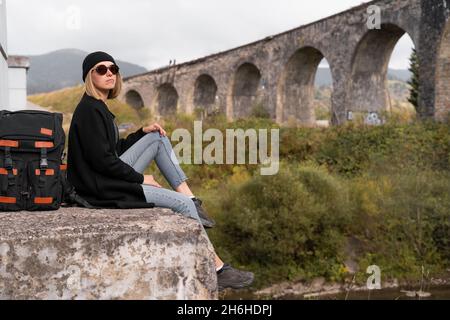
155 127
148 179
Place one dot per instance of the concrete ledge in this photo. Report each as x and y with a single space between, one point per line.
77 253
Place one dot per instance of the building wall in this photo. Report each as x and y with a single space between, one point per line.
4 101
17 78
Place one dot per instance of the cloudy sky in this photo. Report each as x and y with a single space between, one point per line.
152 32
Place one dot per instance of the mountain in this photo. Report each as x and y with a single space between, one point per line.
399 74
323 76
62 68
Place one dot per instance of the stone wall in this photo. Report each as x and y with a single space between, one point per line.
438 13
76 253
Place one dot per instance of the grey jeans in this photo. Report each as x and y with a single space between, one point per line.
153 146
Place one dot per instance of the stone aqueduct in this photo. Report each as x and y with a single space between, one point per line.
278 72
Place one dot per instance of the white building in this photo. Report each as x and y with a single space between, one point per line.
4 87
13 73
17 77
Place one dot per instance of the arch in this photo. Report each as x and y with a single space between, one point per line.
167 99
295 94
134 99
368 88
245 90
442 99
205 92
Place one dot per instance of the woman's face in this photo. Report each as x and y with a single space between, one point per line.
104 82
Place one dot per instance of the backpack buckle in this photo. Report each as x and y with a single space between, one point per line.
26 194
43 164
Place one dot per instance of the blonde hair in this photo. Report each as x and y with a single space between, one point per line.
93 91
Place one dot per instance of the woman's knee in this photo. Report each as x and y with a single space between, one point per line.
153 136
156 136
164 141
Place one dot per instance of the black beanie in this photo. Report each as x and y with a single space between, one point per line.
92 59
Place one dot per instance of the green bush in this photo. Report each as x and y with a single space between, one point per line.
350 150
403 218
286 226
259 111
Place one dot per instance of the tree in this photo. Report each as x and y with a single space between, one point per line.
414 82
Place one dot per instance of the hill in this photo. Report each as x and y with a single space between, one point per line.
62 68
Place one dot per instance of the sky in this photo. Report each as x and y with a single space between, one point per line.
152 32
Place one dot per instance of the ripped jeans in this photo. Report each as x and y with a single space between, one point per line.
153 146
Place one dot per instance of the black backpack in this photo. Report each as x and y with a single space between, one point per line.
33 176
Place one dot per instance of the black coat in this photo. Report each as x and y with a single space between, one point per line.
94 168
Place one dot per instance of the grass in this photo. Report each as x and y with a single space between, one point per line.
66 100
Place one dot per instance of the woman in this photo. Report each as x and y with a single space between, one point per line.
108 171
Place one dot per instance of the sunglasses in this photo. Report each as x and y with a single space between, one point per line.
102 69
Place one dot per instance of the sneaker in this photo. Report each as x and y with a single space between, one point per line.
229 277
206 221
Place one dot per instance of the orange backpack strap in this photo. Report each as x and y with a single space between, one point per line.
9 143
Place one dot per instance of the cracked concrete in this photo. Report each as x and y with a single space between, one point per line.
77 253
